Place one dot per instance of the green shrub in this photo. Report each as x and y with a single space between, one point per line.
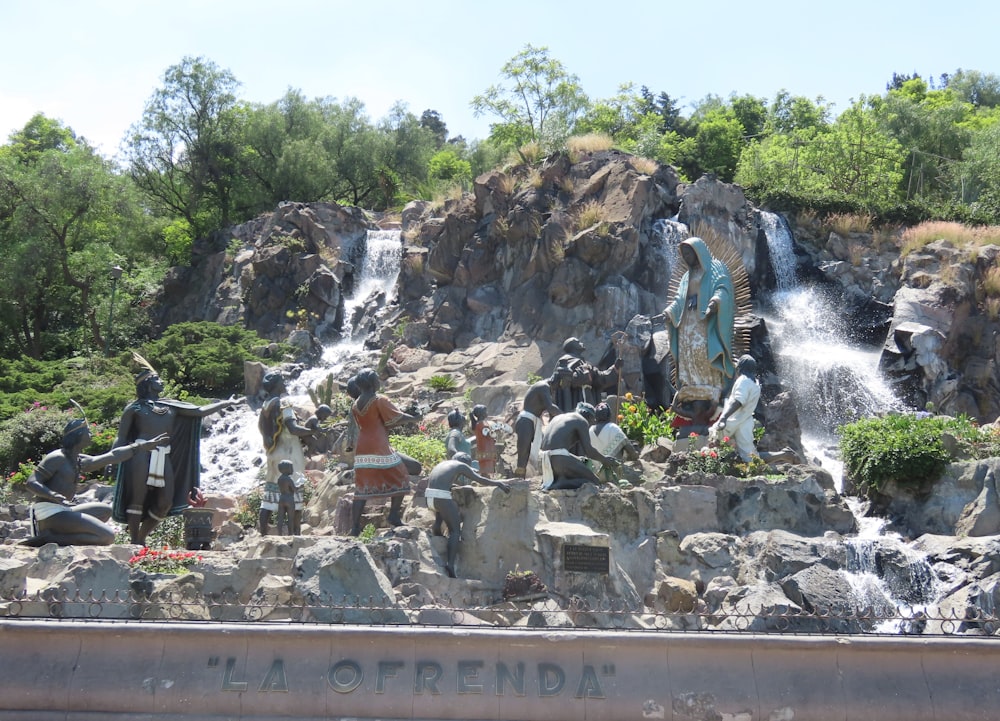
29 436
429 451
641 424
248 511
204 357
724 460
20 474
167 534
904 448
442 382
103 386
368 533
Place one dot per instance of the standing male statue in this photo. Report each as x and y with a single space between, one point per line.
737 417
54 518
158 483
580 381
528 425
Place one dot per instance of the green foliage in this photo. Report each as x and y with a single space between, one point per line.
247 513
186 152
29 436
722 459
204 357
102 386
539 100
429 451
904 448
447 165
68 217
178 237
20 474
442 382
641 424
367 534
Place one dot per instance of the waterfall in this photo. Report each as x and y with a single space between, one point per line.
781 249
833 383
231 453
668 234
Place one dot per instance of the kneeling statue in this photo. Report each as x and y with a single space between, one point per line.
54 518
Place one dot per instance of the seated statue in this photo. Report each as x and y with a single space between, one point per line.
54 518
608 438
565 439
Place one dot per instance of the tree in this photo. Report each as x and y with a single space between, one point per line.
185 153
431 120
982 90
447 165
979 173
66 217
408 150
665 108
795 112
539 101
717 145
751 112
287 157
858 159
933 127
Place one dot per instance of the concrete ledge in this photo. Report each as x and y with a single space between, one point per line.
150 671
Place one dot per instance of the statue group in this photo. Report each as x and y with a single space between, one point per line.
157 446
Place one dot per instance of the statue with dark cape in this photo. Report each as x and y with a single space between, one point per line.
158 483
579 380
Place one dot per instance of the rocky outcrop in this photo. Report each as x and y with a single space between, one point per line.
285 270
928 310
942 347
686 552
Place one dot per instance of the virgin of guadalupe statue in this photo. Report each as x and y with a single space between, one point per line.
701 323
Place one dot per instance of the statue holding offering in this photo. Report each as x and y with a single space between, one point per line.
158 483
54 517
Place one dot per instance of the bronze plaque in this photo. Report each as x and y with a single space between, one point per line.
586 559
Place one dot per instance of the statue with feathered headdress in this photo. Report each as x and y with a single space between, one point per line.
54 516
158 483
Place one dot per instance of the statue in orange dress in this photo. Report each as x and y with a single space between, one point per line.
379 472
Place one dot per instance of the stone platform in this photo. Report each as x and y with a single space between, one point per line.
81 670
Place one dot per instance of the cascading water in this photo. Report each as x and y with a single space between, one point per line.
781 249
668 234
232 454
833 383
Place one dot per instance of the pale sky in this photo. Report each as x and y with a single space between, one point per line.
94 63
